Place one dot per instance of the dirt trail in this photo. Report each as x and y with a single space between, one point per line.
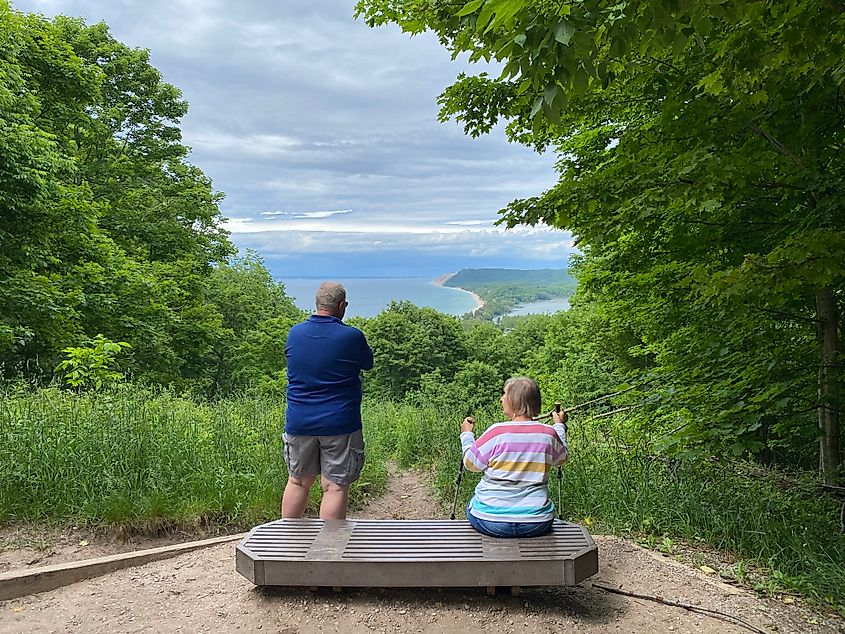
201 592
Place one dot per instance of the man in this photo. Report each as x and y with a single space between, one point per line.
323 420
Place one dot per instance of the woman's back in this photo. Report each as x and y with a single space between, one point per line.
516 458
517 451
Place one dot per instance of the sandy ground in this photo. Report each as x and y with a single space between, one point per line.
201 592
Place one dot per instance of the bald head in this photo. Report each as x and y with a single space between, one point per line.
331 299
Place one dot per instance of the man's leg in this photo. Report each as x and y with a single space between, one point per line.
341 462
335 500
295 498
302 457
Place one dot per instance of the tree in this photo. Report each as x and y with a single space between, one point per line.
488 344
106 227
94 365
48 219
248 344
409 342
701 172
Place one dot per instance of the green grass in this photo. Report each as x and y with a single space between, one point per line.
790 531
138 456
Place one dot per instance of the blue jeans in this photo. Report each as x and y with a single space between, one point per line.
509 529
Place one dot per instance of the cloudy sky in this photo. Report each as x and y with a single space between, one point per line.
323 134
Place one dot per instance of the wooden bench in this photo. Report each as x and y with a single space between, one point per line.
411 553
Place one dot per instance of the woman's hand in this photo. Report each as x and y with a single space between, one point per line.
468 424
560 417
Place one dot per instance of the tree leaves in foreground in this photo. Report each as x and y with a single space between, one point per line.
701 172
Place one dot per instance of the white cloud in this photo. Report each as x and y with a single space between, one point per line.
358 226
307 214
263 145
538 245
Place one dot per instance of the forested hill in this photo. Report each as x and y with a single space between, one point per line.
504 289
486 277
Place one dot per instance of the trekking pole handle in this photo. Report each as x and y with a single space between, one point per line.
549 414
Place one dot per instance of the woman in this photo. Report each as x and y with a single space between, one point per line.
512 499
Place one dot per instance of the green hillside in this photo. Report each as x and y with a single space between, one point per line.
467 278
504 289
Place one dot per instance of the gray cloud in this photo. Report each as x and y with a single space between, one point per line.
323 132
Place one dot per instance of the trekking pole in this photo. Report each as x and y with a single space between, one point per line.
458 480
559 476
560 468
457 488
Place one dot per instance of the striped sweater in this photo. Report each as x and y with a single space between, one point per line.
515 458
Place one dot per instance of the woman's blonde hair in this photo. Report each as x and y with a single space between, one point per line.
523 396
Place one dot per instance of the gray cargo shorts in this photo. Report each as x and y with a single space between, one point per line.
338 458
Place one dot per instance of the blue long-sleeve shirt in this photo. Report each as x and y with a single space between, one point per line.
325 358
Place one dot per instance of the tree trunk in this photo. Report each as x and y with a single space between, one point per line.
829 456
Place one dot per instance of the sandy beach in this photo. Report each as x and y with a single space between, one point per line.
479 303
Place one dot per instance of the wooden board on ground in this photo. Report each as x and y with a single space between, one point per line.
18 583
411 553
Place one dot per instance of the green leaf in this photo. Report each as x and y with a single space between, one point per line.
484 18
538 103
550 92
523 86
563 32
551 113
580 81
469 7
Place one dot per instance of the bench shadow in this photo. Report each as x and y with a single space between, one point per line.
581 602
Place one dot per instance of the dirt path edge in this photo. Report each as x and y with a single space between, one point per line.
19 583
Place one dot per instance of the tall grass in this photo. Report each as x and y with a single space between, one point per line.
137 455
786 525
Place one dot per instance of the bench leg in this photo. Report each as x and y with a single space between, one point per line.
515 591
491 591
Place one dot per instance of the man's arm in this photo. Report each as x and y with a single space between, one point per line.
366 355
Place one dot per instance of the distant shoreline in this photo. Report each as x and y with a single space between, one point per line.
479 303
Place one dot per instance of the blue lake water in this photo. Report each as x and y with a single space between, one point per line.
368 296
542 307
